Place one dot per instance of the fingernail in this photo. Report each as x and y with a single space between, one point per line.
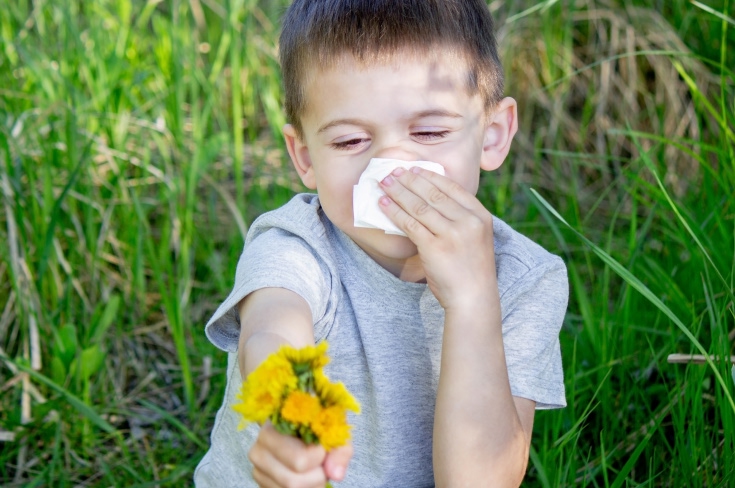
338 473
384 201
416 170
388 180
398 171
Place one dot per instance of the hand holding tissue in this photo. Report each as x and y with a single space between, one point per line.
367 192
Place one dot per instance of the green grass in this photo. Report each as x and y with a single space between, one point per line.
139 138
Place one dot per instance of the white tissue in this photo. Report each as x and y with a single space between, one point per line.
367 192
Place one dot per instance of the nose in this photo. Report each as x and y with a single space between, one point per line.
397 150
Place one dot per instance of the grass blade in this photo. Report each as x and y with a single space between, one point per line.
48 242
646 292
84 409
649 164
175 422
714 12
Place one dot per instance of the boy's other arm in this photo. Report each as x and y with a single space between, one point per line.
481 432
269 318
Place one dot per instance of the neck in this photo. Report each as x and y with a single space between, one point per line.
409 269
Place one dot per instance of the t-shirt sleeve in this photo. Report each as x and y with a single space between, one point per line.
533 312
274 259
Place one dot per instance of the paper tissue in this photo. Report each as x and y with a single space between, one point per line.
367 192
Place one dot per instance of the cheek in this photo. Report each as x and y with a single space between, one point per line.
339 178
468 176
337 186
470 184
461 163
473 187
336 197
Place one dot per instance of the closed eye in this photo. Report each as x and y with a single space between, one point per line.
349 144
430 135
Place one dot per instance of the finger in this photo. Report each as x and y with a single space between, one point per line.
414 213
414 229
292 452
263 480
335 465
269 471
451 188
418 183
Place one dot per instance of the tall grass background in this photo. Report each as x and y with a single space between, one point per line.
138 139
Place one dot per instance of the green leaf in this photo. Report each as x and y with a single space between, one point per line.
65 344
301 368
284 427
307 435
108 316
58 370
91 361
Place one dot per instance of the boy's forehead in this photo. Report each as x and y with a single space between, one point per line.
349 63
438 62
390 88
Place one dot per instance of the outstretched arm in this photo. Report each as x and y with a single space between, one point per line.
481 432
270 317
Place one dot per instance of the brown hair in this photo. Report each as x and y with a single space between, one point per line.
316 32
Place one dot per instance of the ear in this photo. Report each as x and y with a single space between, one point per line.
501 127
299 156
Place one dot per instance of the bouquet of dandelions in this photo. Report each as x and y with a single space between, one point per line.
291 390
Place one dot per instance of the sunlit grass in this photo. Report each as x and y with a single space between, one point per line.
139 138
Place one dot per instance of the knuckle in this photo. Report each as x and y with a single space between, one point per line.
455 187
299 464
474 224
304 461
436 195
421 208
477 223
412 225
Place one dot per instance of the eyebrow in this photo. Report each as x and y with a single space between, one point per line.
437 112
337 122
417 115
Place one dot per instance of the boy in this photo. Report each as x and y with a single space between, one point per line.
447 337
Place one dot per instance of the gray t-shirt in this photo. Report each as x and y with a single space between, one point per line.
385 339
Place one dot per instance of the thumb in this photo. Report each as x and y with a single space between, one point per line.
335 464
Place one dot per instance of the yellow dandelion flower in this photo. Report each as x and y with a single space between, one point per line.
255 407
331 427
334 394
300 408
313 356
263 390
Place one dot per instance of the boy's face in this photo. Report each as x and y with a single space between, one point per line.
407 108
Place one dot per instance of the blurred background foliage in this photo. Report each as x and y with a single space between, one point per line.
139 138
